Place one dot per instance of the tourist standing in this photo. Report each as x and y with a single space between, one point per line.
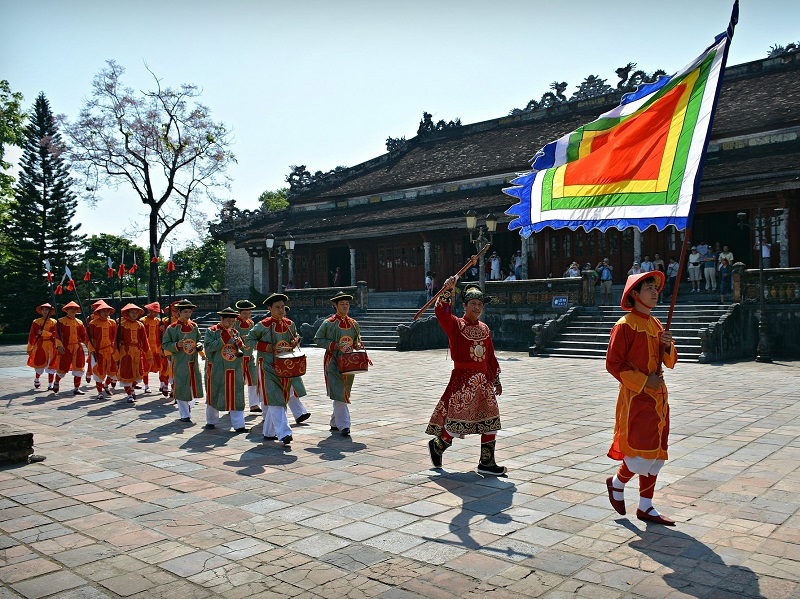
606 272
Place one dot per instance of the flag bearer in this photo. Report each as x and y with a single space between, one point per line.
638 347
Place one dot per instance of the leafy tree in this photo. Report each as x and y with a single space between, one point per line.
163 143
273 201
99 248
12 120
40 224
201 267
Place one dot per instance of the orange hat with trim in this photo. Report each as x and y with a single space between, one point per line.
101 305
43 306
131 307
71 305
626 303
153 307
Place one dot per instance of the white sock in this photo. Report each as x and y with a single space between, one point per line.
619 489
645 503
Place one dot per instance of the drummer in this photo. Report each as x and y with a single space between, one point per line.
182 341
274 335
224 352
339 334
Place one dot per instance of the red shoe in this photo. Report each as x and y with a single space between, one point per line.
618 505
657 519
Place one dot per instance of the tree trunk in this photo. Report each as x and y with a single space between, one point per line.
153 284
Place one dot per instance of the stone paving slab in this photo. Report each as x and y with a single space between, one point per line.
133 503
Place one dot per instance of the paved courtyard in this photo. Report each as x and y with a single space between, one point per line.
130 502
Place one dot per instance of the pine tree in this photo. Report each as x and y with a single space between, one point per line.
41 220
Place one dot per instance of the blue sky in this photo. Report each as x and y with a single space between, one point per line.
325 83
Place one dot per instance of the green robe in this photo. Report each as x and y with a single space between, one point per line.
280 333
224 383
335 334
249 365
185 365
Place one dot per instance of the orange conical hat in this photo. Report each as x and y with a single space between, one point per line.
101 305
71 305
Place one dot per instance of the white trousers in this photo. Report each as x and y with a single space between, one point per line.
253 398
212 416
296 406
185 408
710 276
642 466
275 422
340 418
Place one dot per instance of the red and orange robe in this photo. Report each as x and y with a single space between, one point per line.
133 346
103 344
642 417
468 404
43 341
74 337
154 360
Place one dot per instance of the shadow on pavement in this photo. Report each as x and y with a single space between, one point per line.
254 461
335 447
481 496
696 570
156 434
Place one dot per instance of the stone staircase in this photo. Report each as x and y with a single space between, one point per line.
588 333
379 326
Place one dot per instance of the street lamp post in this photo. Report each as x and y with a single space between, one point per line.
763 351
477 236
282 251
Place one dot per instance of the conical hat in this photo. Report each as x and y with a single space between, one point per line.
633 280
101 305
43 306
153 307
71 305
131 307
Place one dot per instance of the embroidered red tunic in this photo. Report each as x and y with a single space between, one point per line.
468 405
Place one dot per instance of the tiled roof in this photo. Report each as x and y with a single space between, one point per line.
757 96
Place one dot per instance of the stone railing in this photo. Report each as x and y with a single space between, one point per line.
781 285
544 334
725 339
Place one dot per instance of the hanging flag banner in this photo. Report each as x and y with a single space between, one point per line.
637 165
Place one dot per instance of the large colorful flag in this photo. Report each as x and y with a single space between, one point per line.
637 165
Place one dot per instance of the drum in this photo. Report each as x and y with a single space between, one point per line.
290 364
353 362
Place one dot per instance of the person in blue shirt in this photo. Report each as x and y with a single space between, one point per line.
606 273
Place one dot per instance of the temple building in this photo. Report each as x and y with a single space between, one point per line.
391 219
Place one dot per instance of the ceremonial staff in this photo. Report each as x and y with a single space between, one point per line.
120 275
49 275
72 287
134 271
471 262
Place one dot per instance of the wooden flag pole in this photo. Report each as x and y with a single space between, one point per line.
471 262
686 241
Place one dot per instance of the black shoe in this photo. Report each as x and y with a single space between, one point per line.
255 408
55 387
77 391
240 430
492 469
209 426
334 428
287 440
266 438
345 432
436 457
186 419
302 417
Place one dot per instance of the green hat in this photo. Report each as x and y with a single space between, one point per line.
183 304
473 292
276 297
341 295
245 305
228 312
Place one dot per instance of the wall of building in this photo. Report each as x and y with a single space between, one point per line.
237 271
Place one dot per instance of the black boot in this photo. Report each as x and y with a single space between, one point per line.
436 447
487 464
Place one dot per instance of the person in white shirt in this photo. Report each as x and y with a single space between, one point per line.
635 269
647 266
766 252
495 264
